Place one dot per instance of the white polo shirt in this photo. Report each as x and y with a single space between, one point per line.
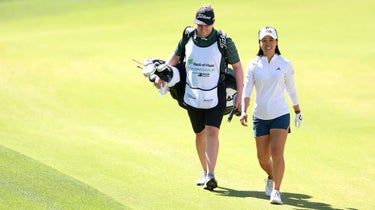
270 81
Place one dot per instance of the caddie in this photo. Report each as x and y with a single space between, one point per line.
204 95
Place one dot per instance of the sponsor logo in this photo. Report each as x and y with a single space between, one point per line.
203 16
278 69
204 75
200 67
190 61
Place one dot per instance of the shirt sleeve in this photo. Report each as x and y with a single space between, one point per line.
290 85
231 53
249 81
180 48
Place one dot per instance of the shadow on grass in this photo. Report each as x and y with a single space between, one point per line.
300 201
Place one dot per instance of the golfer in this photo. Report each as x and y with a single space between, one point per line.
270 74
205 94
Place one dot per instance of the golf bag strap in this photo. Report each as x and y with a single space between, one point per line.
186 34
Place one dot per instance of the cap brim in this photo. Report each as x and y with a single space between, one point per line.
264 35
198 22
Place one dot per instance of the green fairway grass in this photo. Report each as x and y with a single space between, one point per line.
27 183
81 128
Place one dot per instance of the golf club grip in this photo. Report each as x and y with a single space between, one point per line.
234 107
230 116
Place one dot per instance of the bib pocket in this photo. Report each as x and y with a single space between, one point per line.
201 99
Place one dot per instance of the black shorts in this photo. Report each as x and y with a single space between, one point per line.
199 118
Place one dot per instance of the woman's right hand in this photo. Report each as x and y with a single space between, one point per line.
243 118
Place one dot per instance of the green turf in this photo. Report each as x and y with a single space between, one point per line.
81 128
27 183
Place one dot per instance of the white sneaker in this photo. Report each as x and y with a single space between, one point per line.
210 183
269 186
202 180
275 197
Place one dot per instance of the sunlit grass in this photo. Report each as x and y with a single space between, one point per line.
75 107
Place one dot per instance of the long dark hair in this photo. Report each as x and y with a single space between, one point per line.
260 51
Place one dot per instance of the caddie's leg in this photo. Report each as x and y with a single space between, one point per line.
200 144
212 147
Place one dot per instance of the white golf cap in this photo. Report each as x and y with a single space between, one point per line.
267 31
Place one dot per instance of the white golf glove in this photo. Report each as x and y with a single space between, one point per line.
298 120
150 66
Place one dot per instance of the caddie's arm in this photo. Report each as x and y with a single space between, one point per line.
238 73
246 94
173 60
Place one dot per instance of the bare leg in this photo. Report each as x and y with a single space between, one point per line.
212 147
264 154
278 140
200 144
